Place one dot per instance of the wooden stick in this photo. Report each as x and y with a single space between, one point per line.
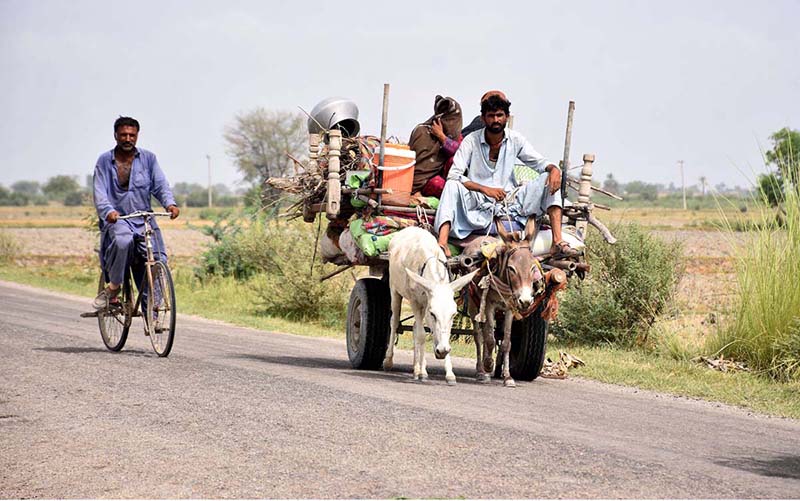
409 210
336 272
574 182
565 161
384 122
368 191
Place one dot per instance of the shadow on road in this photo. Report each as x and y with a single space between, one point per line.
401 373
86 349
309 362
785 466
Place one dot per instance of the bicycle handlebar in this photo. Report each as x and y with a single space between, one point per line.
141 213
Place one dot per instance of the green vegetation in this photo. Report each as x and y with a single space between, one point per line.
630 285
9 248
765 329
66 190
642 369
275 259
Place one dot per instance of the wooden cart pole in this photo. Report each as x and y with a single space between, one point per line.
334 182
585 189
313 165
565 161
384 121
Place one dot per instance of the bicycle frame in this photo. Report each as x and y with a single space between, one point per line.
150 261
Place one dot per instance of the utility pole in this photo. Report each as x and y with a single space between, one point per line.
210 204
683 184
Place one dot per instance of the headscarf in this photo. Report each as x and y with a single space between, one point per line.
430 157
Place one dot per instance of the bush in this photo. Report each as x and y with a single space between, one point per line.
73 199
16 199
631 283
9 248
276 258
764 330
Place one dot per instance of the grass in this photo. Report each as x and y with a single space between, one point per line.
667 371
765 326
643 370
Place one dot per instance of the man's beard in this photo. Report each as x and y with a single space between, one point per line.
497 127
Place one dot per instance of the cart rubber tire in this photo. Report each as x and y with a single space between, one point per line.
528 347
368 313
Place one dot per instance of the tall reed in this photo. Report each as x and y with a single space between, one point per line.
764 329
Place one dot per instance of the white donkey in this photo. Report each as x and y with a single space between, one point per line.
418 273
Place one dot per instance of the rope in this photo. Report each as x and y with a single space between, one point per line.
443 263
422 219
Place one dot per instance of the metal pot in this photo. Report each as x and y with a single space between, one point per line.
335 112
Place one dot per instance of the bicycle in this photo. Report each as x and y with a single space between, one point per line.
115 320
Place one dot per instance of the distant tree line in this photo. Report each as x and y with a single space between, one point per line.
68 191
652 191
61 189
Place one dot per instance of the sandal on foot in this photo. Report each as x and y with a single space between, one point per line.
562 249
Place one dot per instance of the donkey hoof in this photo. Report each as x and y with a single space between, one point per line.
387 365
451 382
421 378
483 378
509 383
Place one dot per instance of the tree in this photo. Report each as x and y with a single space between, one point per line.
785 155
73 199
770 187
29 188
646 191
611 184
9 198
259 141
58 187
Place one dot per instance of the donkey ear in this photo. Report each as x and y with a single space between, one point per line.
460 282
530 229
420 280
501 230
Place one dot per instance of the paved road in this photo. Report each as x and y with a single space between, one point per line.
236 412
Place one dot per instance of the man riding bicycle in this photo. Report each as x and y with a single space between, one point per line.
124 180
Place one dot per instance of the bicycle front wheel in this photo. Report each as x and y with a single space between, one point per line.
115 321
161 310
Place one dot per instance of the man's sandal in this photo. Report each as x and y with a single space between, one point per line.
562 249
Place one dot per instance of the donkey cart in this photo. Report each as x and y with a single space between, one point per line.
336 152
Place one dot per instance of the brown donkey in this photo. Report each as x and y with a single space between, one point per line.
510 281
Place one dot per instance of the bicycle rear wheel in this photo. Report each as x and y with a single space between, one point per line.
161 310
115 321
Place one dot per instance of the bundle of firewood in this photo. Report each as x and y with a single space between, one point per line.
309 183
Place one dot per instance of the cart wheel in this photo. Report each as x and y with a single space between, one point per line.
368 315
528 346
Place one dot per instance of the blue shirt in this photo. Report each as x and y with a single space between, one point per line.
146 179
471 162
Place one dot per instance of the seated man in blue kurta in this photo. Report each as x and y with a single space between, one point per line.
482 176
124 180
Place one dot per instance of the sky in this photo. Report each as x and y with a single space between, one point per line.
654 82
